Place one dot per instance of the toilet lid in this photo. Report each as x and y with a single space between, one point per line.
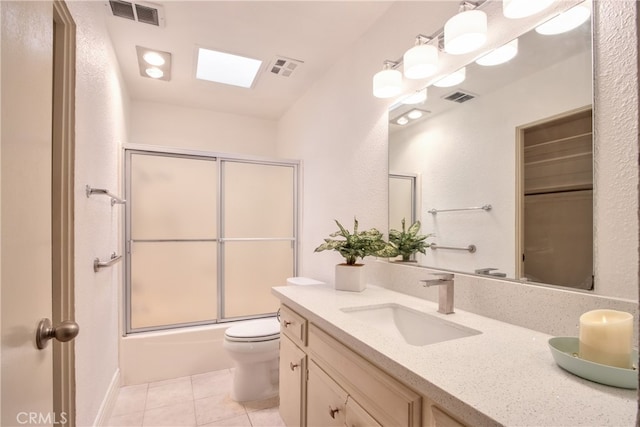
254 330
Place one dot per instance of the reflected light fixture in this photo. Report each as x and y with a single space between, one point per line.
418 97
500 55
567 20
522 8
402 121
421 61
388 82
452 79
466 31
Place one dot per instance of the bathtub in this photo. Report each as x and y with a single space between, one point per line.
162 355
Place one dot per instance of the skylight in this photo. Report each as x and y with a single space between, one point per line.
226 68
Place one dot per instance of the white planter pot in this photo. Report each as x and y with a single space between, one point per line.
350 277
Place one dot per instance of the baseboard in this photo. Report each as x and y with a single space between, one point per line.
109 401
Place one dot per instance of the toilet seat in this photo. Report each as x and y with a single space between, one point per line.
254 331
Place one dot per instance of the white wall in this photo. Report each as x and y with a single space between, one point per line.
198 129
467 157
101 127
340 132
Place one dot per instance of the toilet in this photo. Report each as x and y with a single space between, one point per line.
254 347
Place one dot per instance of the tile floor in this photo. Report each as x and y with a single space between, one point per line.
198 400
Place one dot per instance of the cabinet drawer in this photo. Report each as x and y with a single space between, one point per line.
388 401
293 325
357 417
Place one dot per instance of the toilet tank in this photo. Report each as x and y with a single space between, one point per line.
303 281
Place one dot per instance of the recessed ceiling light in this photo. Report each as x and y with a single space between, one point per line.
226 68
154 73
153 63
414 114
153 58
402 121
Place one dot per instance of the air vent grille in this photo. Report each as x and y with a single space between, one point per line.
147 13
459 96
122 9
284 67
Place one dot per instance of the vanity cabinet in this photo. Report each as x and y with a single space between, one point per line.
324 383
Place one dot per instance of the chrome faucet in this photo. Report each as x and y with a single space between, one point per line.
445 292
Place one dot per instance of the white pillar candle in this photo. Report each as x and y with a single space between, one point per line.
606 337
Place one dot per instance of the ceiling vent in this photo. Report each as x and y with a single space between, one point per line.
147 13
459 96
283 66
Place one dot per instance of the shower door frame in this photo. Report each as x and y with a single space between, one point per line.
219 158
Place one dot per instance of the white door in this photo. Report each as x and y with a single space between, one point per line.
26 38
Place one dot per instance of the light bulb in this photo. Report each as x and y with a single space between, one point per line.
500 55
465 32
387 83
414 114
420 61
154 73
452 79
566 21
523 8
153 58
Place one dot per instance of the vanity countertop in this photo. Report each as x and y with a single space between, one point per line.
504 376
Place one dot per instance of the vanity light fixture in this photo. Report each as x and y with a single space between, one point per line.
418 97
421 61
500 55
452 79
466 31
152 63
567 20
522 8
388 82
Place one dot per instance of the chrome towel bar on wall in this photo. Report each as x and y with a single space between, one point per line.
470 248
114 199
484 208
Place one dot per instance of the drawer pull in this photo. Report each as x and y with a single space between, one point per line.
333 412
293 366
286 323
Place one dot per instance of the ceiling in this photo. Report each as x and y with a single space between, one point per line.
315 32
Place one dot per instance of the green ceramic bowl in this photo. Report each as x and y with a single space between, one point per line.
565 353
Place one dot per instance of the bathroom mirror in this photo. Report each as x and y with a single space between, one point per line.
466 148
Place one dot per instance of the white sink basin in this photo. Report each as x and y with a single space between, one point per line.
412 326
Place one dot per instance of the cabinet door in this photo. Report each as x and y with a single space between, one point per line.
293 366
356 416
326 399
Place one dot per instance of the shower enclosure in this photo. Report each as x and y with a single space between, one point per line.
207 236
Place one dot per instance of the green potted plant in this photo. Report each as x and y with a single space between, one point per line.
349 275
405 243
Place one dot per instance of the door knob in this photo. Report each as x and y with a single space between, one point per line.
65 331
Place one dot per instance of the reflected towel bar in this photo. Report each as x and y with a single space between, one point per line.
484 208
470 248
114 199
97 264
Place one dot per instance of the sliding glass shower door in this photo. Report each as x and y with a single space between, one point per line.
207 238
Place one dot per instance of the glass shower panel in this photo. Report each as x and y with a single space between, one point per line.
173 283
173 197
258 200
251 269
